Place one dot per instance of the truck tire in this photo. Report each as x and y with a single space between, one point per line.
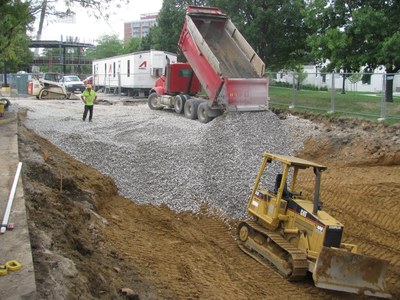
152 102
203 113
191 107
179 104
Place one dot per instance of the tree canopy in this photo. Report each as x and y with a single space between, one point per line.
355 34
15 18
107 46
275 29
111 45
133 45
170 21
285 33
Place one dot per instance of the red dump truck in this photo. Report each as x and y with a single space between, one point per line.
220 61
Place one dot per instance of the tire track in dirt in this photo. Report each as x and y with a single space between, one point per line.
368 222
365 199
195 256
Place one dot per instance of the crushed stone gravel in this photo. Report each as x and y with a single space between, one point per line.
160 157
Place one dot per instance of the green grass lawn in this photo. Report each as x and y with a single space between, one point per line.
356 103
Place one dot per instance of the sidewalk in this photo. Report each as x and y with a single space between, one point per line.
14 244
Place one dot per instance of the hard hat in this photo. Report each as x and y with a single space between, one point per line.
88 86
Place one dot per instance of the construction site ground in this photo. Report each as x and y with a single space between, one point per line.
151 252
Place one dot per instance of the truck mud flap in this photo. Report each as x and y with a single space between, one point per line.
340 270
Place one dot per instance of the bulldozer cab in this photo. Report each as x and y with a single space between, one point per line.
283 172
286 193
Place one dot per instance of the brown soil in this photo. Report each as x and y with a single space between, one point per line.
89 243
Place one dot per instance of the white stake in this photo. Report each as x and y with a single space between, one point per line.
10 199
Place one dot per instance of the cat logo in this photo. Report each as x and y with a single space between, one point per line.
143 65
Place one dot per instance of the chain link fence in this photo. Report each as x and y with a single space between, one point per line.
371 95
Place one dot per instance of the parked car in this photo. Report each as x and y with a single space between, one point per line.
73 84
88 80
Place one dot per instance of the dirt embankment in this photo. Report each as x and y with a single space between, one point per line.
88 242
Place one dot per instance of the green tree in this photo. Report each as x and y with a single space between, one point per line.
146 42
15 18
107 46
299 75
356 34
275 29
133 45
170 21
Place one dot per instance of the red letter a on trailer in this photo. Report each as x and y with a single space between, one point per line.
143 65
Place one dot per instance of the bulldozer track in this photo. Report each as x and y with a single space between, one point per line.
49 94
298 259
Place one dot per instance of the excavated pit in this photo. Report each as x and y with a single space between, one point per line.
175 240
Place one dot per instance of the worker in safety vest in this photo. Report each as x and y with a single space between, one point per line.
88 97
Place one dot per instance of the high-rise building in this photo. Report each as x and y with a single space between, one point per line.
140 28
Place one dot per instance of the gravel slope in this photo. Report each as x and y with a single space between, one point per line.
159 157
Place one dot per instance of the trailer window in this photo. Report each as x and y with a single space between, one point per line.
185 73
129 68
114 69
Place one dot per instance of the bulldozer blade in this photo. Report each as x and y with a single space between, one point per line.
341 270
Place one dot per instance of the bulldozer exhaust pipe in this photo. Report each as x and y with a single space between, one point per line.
317 172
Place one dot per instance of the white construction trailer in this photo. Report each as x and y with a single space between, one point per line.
133 74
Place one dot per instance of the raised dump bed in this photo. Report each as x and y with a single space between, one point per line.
228 68
220 61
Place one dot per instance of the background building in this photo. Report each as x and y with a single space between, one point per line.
139 28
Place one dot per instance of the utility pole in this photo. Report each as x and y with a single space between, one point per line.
41 21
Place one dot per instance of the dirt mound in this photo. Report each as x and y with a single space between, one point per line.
89 243
352 142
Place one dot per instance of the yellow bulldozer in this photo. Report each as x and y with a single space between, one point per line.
290 230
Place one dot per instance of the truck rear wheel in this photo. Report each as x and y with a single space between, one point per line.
203 113
191 107
179 104
152 102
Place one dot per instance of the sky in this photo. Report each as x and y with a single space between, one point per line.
88 29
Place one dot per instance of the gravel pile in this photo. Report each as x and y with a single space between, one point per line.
159 157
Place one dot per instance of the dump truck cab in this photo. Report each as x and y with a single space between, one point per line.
179 78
